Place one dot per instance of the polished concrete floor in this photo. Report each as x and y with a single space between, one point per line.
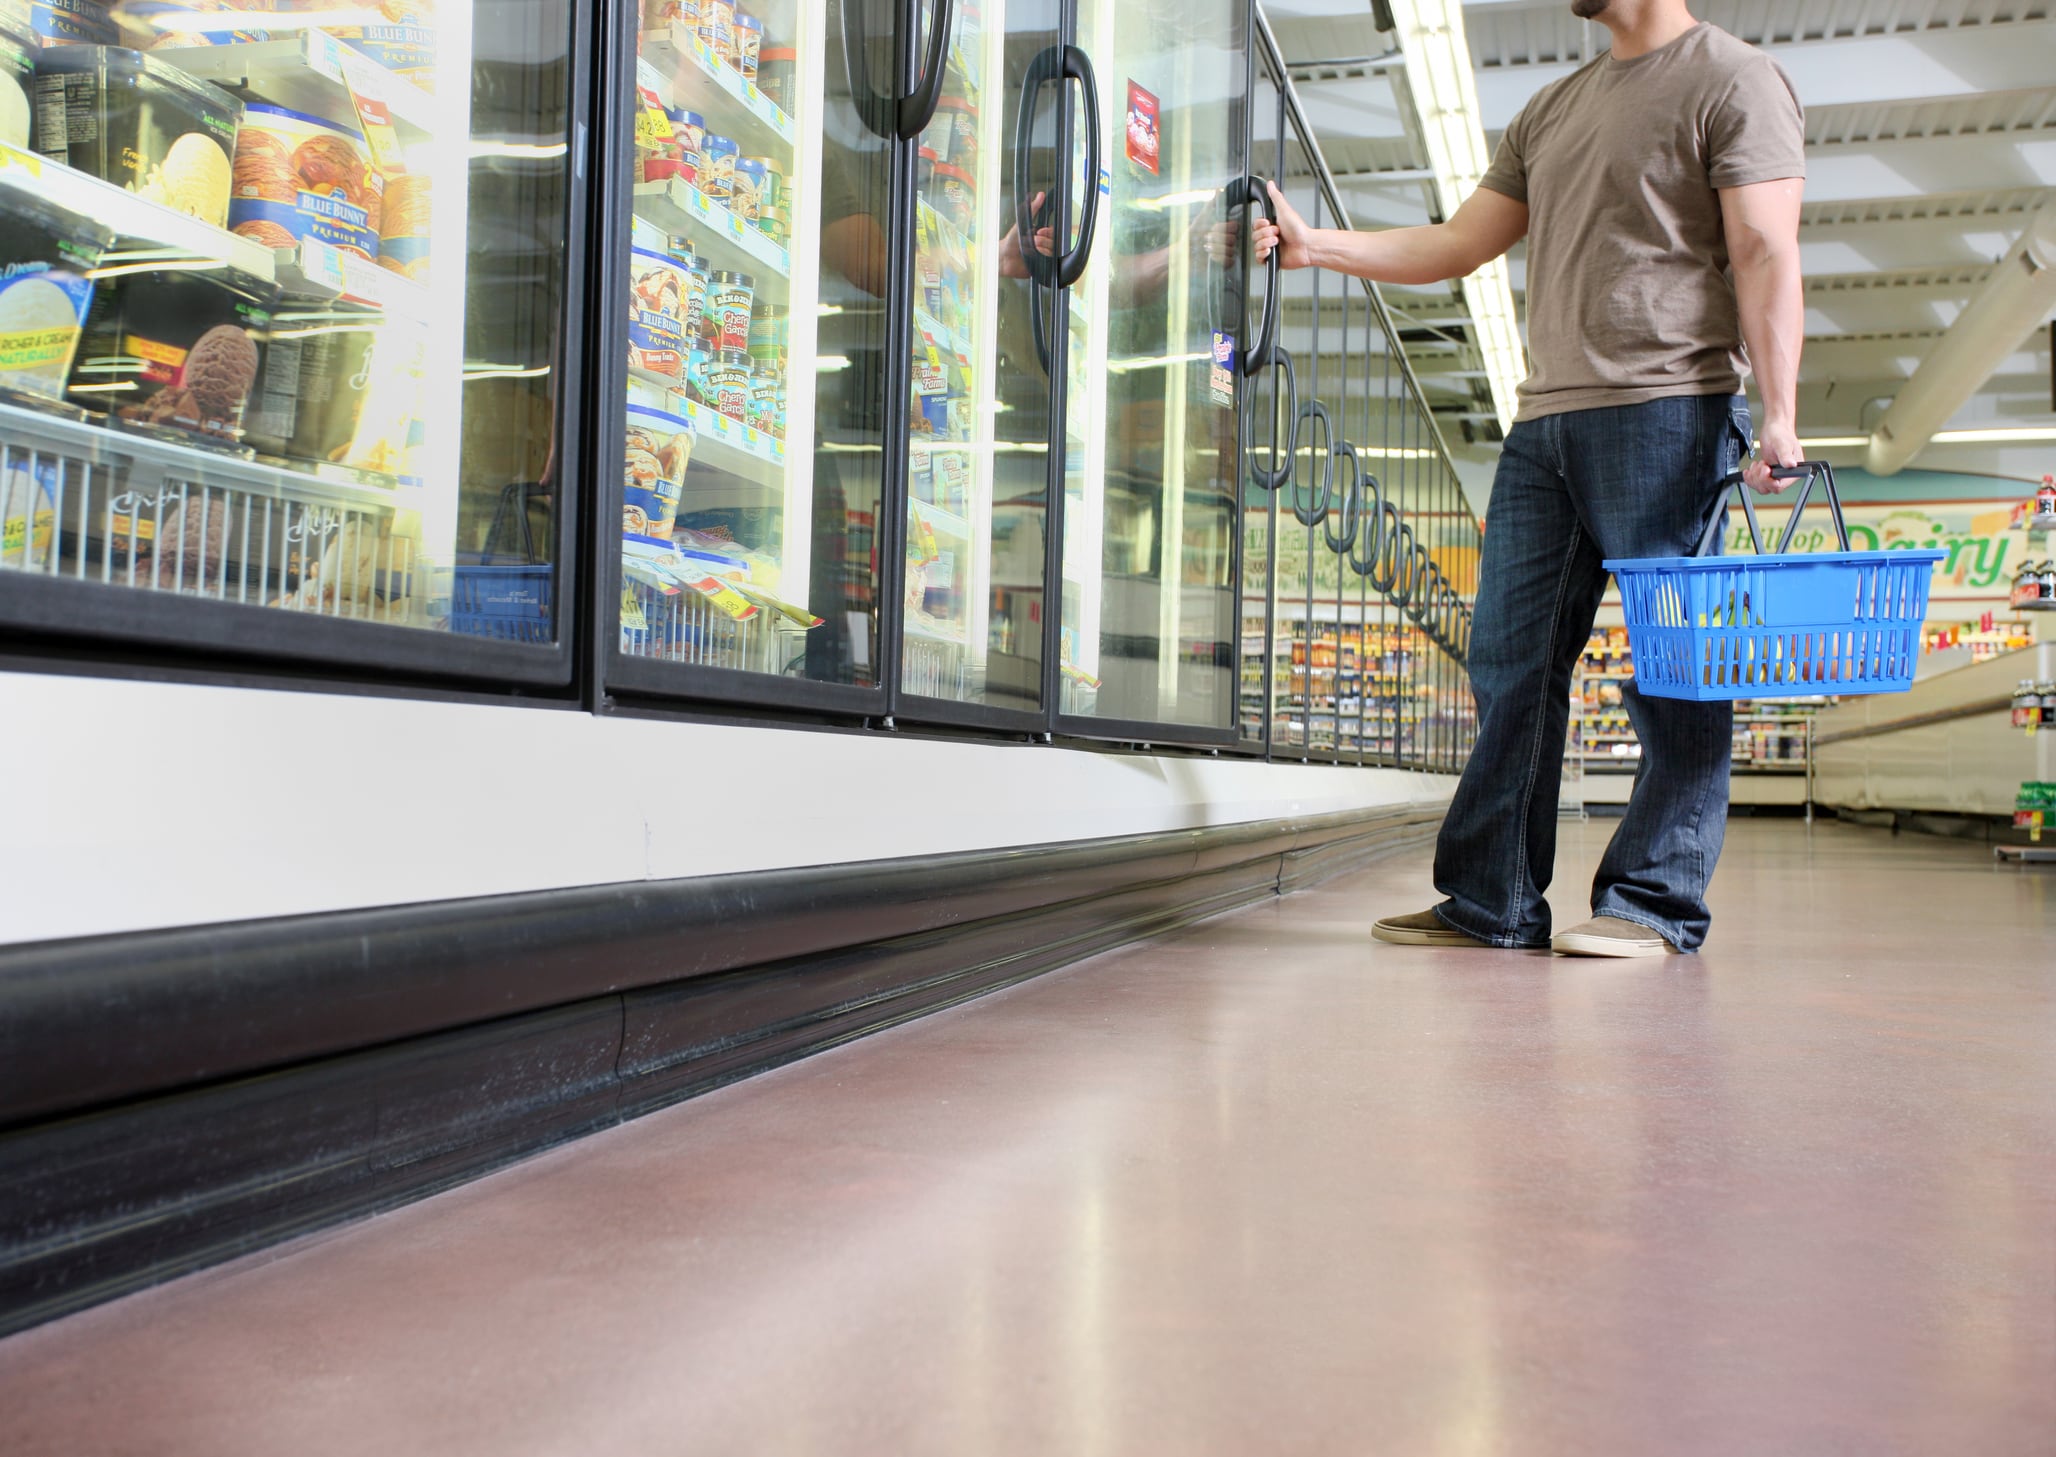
1262 1188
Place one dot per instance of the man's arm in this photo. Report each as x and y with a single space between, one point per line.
1485 226
1762 223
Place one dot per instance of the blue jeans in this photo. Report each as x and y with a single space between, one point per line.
1632 481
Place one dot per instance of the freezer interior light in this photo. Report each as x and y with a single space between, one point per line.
1445 96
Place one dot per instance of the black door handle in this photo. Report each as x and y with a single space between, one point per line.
1255 192
1363 560
1031 215
917 108
1385 577
1352 504
891 116
1317 513
1077 66
1274 476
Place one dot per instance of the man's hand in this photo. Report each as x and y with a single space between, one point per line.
1011 264
1780 447
1289 234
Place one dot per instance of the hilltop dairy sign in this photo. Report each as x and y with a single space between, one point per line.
1984 551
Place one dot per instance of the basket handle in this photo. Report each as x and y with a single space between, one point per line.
1807 470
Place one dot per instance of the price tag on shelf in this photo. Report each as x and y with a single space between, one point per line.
632 613
371 88
651 124
724 597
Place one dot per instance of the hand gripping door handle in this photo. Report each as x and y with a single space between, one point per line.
1044 70
889 116
1809 471
1363 560
1317 513
1274 476
1042 216
1352 505
1255 192
1077 66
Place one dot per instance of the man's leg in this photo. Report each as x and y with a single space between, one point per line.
1646 477
1539 583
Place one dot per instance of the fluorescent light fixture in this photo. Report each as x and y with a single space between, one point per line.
494 371
1445 96
831 363
1991 435
1997 435
828 311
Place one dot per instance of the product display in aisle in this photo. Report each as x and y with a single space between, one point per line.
224 373
756 319
1769 735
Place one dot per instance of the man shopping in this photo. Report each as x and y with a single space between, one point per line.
1659 191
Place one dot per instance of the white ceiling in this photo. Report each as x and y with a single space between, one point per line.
1931 129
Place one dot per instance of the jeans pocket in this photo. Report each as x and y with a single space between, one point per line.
1741 434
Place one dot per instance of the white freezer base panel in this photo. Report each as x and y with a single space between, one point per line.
136 806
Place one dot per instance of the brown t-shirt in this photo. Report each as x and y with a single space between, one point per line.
1619 164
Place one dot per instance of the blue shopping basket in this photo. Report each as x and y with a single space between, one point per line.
1710 627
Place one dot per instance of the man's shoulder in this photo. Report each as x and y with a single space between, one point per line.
1727 55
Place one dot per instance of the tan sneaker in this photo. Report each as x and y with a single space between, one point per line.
1422 929
1610 936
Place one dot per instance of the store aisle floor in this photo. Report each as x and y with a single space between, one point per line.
1265 1187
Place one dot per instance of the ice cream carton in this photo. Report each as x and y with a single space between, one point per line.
141 123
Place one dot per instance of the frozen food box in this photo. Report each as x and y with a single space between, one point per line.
140 122
29 486
403 225
297 176
47 258
657 292
150 25
174 353
73 22
659 449
402 39
359 399
18 47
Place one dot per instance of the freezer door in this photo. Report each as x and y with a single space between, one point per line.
1151 460
985 356
757 280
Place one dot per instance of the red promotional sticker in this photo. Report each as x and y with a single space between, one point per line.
1142 128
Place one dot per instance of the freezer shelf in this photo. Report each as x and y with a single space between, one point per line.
315 74
679 68
130 215
681 208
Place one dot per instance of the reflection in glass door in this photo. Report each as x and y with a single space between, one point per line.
984 349
757 339
1150 510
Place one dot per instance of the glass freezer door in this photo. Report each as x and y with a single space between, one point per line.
984 349
1150 507
756 296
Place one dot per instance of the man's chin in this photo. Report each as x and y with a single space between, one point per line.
1589 9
